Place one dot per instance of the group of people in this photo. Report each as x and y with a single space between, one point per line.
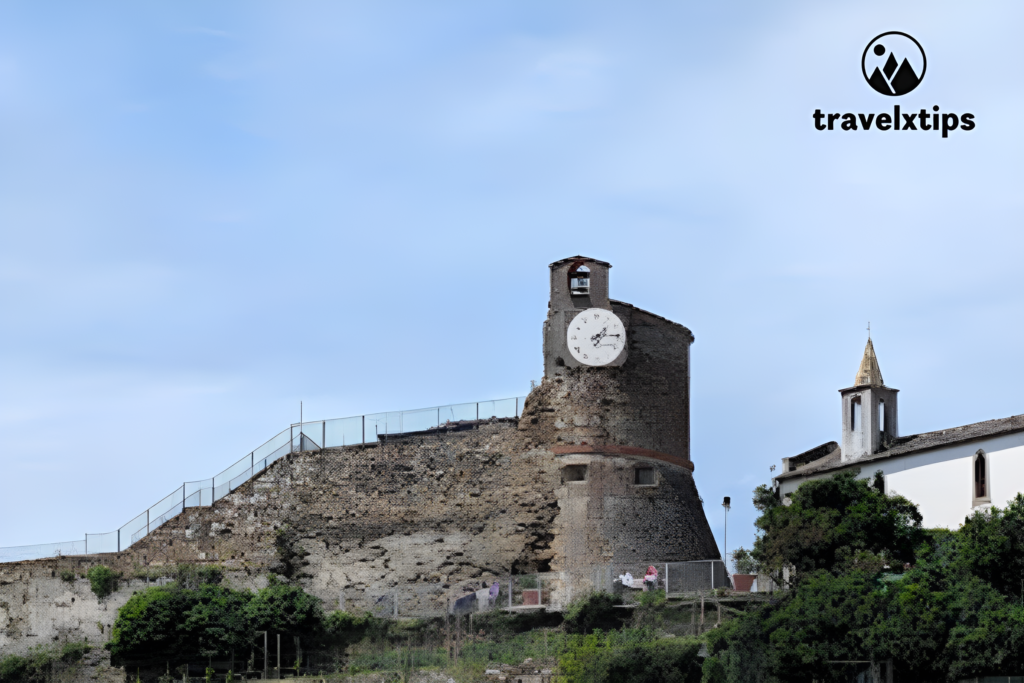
649 582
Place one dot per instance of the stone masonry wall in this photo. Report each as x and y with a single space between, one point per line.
420 515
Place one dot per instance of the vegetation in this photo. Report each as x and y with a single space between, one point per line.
594 610
631 656
103 580
870 584
177 622
38 665
743 561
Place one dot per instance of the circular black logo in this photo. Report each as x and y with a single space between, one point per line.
893 63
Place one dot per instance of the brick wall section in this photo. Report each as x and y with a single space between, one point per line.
644 403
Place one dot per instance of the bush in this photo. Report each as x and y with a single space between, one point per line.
743 562
67 575
594 610
631 656
103 580
38 664
173 623
192 576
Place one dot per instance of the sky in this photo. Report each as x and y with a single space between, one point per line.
210 212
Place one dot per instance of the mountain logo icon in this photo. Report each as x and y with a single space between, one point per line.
893 63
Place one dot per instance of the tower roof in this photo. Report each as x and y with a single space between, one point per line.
869 373
579 258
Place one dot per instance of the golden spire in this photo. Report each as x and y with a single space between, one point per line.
869 372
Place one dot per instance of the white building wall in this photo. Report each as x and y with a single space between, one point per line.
941 481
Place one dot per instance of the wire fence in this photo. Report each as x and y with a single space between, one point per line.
304 436
538 591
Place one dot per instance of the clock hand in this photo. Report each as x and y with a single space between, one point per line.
599 336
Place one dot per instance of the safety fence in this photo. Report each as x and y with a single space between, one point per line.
303 436
545 590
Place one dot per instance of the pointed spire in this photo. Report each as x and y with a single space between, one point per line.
869 373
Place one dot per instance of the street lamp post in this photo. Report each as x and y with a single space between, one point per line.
725 540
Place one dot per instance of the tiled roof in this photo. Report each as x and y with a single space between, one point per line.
915 443
578 258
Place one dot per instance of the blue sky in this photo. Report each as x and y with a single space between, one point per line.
211 211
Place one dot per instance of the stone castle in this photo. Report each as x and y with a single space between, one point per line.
596 474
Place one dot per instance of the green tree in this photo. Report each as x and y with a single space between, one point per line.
838 524
284 608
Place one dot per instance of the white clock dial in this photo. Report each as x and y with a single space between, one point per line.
596 337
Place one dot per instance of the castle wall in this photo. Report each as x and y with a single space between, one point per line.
418 517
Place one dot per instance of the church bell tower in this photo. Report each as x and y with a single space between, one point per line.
869 411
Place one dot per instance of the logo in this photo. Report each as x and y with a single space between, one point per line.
896 62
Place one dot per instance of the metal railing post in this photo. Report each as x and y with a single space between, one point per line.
291 439
478 416
517 406
147 522
118 540
87 544
364 430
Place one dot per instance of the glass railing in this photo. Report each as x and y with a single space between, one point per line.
305 436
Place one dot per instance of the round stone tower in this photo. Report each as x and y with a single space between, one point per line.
614 409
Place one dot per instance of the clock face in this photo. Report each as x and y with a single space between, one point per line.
596 337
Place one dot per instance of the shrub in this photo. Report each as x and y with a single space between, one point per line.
38 664
192 576
594 610
103 580
654 598
631 656
743 562
67 575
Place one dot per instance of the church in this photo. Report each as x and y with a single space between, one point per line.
948 473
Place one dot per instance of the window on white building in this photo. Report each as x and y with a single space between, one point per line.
881 416
855 414
981 479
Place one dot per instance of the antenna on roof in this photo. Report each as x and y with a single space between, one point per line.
869 330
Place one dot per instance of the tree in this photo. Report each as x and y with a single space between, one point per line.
284 608
837 524
956 612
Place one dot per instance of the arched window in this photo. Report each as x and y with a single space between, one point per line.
881 416
579 281
855 414
981 478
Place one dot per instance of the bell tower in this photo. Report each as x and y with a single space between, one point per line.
869 411
577 283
